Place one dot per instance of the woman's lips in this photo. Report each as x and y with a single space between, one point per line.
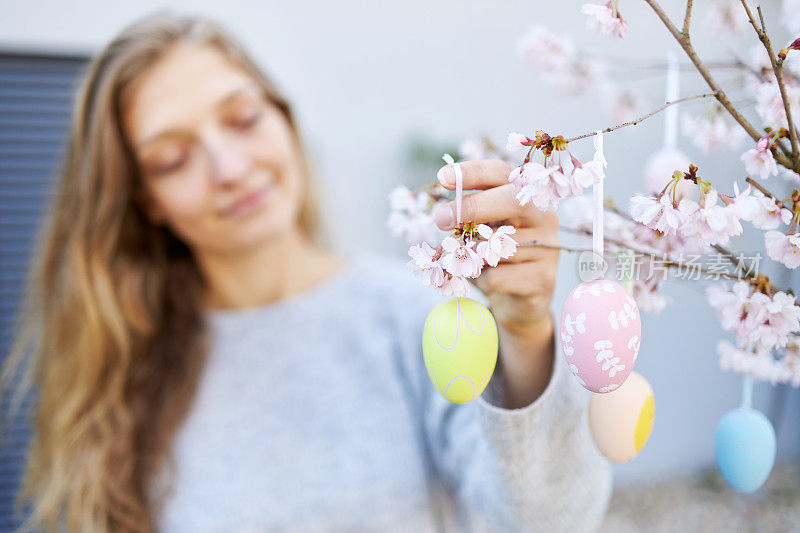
251 202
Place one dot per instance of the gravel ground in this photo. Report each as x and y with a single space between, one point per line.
704 503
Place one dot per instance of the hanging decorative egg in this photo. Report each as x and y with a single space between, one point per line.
600 334
745 448
459 344
621 421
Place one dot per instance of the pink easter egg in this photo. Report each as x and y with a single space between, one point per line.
600 334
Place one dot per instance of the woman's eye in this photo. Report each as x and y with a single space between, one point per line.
168 166
246 121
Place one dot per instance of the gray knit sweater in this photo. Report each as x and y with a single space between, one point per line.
316 414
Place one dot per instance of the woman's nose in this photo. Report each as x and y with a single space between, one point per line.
228 163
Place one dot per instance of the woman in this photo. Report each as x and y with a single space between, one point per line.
204 364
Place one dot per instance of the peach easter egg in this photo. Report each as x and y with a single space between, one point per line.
621 421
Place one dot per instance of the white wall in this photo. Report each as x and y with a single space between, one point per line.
365 76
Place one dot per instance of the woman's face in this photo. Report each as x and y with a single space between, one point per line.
219 161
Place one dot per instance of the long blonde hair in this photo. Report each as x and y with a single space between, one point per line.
111 330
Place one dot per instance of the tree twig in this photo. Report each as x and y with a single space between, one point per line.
666 262
718 247
638 120
686 18
777 68
761 188
722 98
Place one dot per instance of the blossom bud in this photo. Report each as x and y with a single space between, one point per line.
794 46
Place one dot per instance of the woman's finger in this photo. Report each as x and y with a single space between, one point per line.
478 174
527 279
498 203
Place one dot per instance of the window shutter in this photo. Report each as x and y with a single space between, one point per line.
36 94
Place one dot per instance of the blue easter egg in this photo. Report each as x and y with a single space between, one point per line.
745 448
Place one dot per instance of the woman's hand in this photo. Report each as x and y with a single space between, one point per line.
520 289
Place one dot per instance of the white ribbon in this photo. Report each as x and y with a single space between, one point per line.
459 184
597 203
747 391
673 92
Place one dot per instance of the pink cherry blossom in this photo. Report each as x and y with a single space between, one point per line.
787 174
709 223
730 304
759 160
577 211
472 149
521 175
580 77
783 248
460 259
763 212
725 18
424 266
557 62
585 176
769 103
770 320
791 15
758 320
517 141
790 364
745 202
411 216
543 186
760 365
771 215
671 246
454 286
545 50
622 105
648 298
402 199
498 244
658 214
604 21
414 228
710 133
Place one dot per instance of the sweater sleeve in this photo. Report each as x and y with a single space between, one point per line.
528 469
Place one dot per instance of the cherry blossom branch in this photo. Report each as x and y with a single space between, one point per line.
722 98
554 246
638 120
610 206
667 263
761 188
737 63
687 17
727 253
777 69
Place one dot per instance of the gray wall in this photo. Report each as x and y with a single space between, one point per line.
367 76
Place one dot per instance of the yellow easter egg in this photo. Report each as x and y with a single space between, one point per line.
459 344
621 420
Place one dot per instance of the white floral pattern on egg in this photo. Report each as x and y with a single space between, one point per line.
600 334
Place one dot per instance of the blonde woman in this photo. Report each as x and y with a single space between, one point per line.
202 363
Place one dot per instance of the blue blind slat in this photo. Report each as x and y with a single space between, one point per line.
35 108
